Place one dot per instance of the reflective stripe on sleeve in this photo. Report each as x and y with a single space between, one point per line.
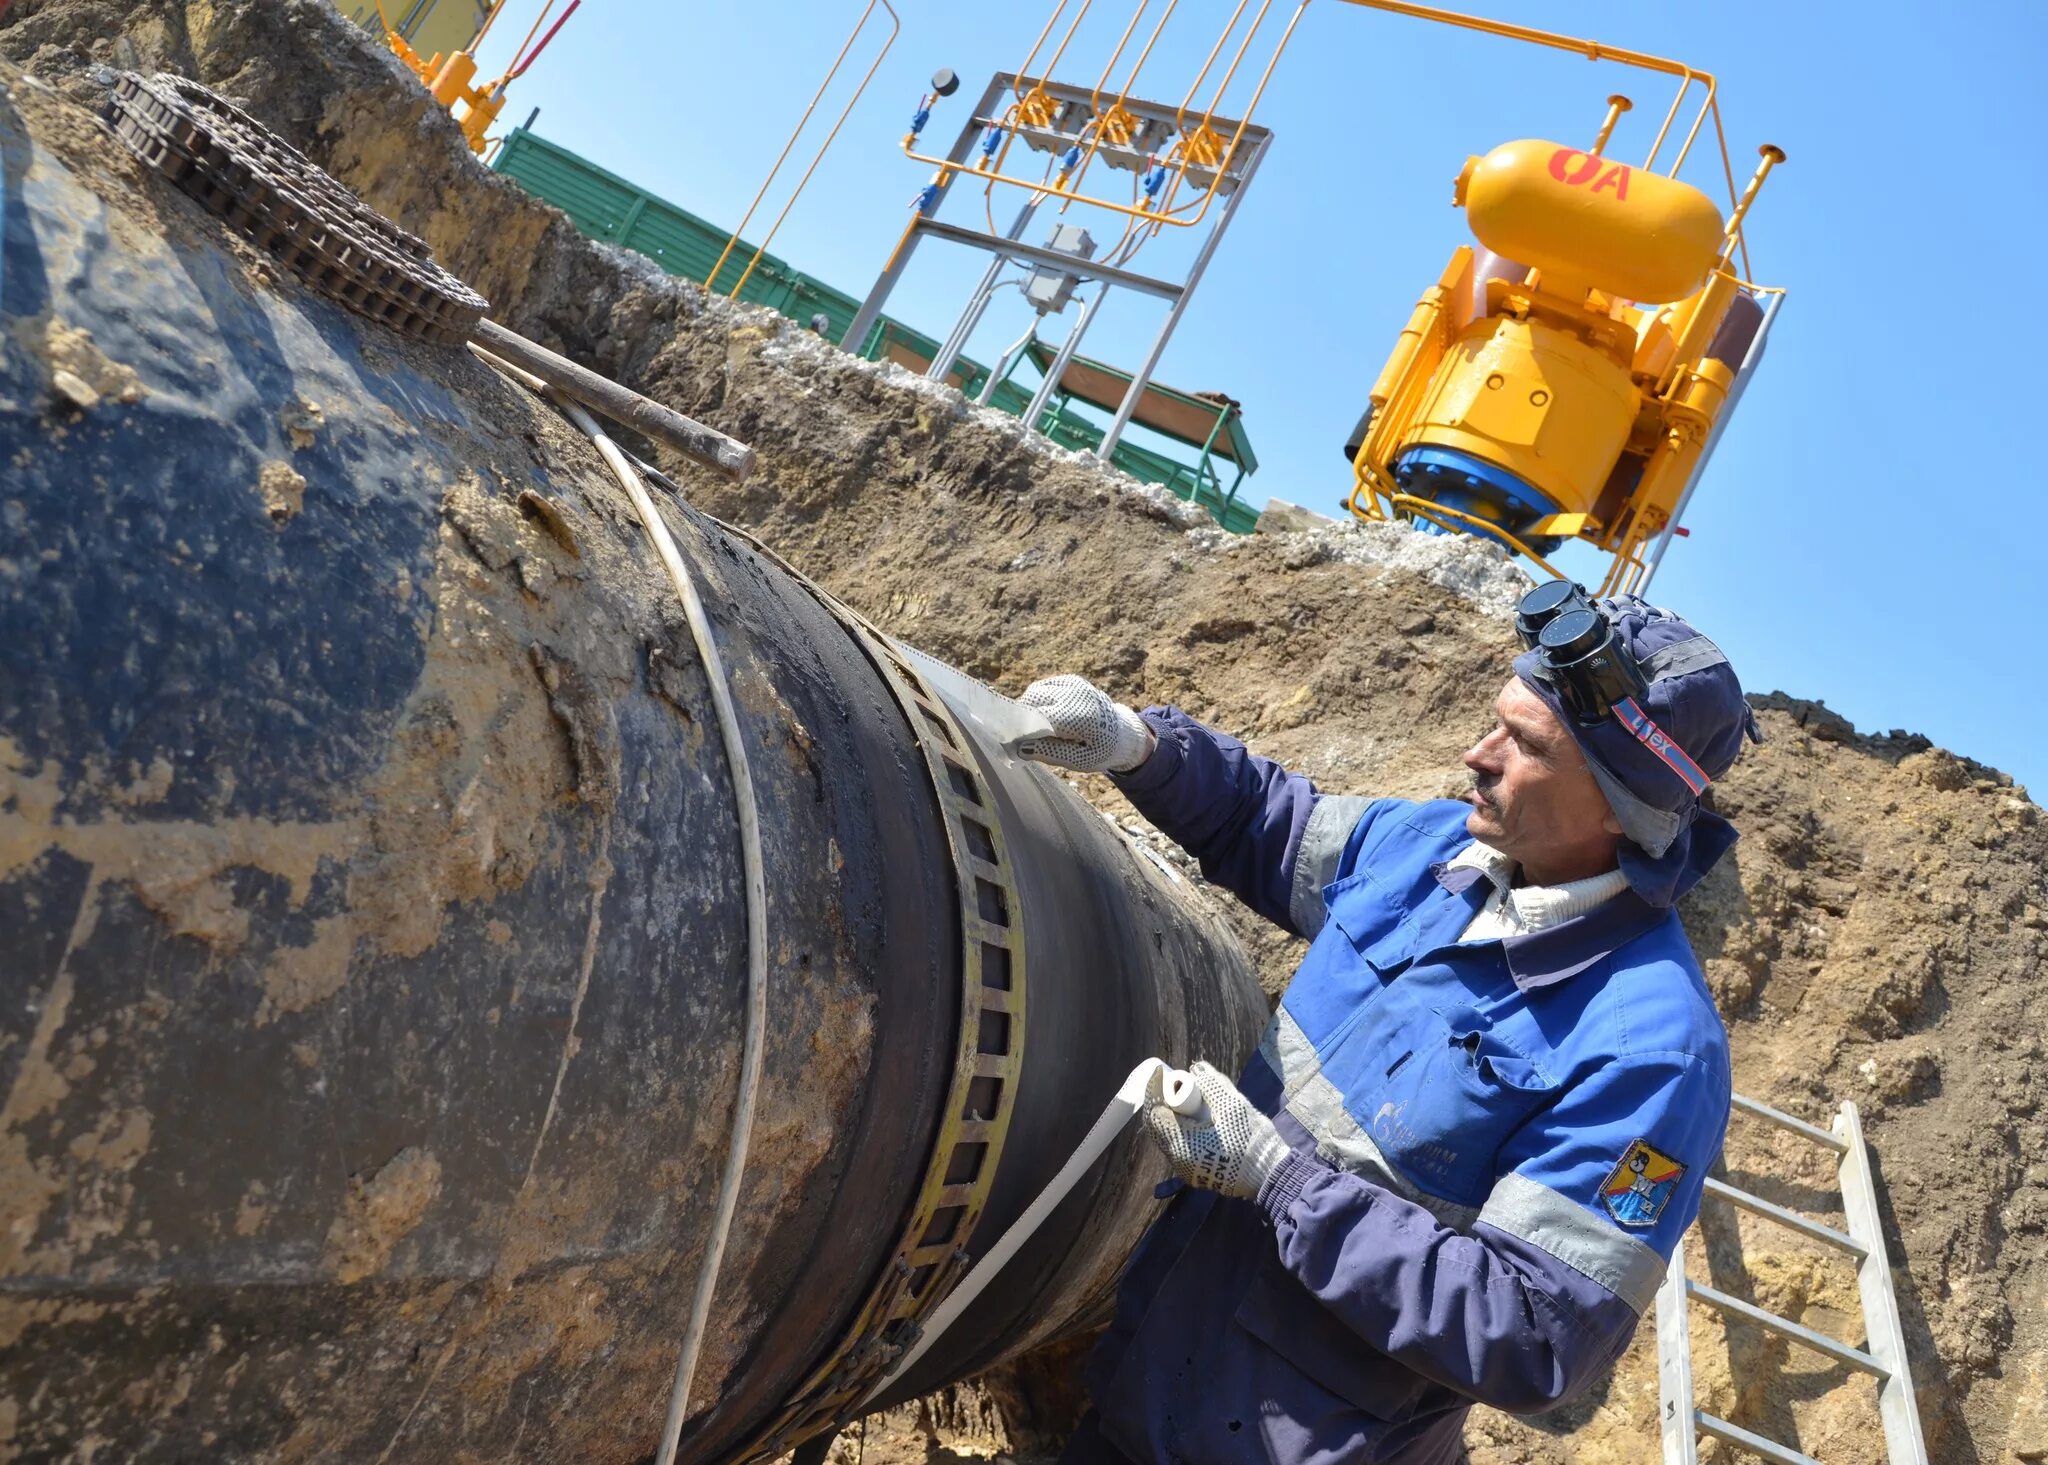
1323 839
1318 1106
1575 1236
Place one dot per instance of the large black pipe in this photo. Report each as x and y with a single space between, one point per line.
372 935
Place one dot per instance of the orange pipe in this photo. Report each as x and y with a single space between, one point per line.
1180 113
795 132
895 27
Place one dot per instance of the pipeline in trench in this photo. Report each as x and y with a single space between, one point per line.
369 872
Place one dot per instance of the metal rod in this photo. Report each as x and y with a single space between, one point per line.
1180 113
1735 1434
1058 368
977 303
895 28
1710 103
1065 263
1143 374
1674 1365
1664 131
519 69
1010 354
1770 156
531 31
1896 1406
1785 1121
1095 95
705 446
710 279
1209 444
490 19
1804 1225
1616 105
1834 1348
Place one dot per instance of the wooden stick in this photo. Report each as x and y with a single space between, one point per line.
700 444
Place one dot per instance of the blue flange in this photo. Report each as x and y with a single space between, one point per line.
1471 485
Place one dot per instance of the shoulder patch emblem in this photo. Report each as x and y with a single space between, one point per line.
1640 1185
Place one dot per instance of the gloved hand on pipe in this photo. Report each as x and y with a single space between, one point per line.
1093 733
1229 1147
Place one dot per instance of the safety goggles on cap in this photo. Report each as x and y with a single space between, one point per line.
1593 671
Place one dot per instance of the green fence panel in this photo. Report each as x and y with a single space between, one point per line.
605 206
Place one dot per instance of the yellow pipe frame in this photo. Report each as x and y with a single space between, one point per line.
895 26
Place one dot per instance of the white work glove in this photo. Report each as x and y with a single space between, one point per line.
1229 1147
1092 732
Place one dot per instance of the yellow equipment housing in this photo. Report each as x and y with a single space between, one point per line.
451 81
1563 379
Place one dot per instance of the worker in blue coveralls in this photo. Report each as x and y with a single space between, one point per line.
1482 1115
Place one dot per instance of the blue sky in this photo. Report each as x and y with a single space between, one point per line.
1868 531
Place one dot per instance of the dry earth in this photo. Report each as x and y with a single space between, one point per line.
1877 936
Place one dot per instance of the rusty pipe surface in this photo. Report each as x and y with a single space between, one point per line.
370 895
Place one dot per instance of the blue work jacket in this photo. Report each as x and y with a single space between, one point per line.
1496 1144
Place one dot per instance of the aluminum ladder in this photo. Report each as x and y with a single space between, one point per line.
1681 1419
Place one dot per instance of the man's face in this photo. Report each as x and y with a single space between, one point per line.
1533 798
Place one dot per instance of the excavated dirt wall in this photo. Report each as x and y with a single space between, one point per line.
1878 935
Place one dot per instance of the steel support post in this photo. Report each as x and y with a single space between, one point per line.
1143 375
1674 1366
1061 357
977 303
878 294
1883 1333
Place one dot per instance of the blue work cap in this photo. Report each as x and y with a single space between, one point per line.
1695 702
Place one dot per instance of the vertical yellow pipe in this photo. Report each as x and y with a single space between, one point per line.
1711 104
1616 105
1671 116
490 19
1095 95
1017 86
1237 60
1180 113
801 122
895 26
1770 156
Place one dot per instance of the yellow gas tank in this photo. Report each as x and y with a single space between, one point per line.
1588 221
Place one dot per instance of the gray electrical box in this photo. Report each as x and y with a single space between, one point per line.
1050 289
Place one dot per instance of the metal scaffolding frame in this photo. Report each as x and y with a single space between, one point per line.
1237 172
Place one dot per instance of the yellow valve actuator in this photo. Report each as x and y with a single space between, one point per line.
1589 221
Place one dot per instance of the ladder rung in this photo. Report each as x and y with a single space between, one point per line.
1820 1342
1804 1225
1735 1434
1785 1121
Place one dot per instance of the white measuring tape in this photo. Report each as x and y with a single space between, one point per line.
1180 1094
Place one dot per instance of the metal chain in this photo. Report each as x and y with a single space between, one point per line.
282 201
